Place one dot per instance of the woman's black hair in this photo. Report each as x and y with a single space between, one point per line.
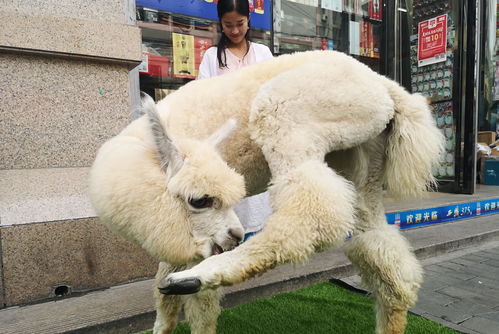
223 7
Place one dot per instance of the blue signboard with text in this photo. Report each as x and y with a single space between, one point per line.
417 218
260 16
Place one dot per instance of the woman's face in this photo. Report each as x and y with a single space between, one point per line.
235 26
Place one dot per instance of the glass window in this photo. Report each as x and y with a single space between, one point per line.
173 46
487 112
351 26
433 48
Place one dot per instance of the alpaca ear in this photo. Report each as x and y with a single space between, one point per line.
222 133
169 156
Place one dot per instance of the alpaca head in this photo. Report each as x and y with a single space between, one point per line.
206 189
203 185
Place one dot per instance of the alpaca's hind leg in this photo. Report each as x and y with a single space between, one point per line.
167 307
313 209
386 264
390 271
202 310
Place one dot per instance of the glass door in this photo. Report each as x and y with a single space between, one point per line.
489 60
433 48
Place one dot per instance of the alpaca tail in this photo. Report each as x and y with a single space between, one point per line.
414 147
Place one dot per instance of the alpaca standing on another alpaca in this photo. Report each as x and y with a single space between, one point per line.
328 151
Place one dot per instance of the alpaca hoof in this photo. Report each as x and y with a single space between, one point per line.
184 286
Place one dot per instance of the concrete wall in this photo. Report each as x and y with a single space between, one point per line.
65 88
64 79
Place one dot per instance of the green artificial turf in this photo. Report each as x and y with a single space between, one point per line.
319 308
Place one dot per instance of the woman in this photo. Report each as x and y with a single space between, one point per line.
234 51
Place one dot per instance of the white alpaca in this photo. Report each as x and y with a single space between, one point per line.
323 129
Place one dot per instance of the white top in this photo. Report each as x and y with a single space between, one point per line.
209 65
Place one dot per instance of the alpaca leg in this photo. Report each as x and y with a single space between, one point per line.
167 312
313 209
202 310
386 264
167 307
390 271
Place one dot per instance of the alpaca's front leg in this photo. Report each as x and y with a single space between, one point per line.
167 307
313 209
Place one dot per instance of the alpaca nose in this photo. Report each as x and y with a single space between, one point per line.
236 234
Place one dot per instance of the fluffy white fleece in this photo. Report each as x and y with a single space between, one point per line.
326 131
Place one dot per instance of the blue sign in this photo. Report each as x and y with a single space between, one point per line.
417 218
207 10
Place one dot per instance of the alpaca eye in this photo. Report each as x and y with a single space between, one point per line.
201 203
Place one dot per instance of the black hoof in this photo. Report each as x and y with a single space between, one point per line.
184 286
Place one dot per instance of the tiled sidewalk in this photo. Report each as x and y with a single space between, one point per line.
461 289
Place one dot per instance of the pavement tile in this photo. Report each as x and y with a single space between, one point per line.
494 316
475 286
482 325
467 263
449 324
486 282
492 250
489 254
482 270
443 273
492 262
455 312
455 267
476 257
354 281
435 298
447 275
471 297
435 284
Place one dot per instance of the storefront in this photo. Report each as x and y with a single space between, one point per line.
176 33
451 59
429 46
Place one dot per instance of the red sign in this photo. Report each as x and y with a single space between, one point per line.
200 47
155 66
432 40
375 8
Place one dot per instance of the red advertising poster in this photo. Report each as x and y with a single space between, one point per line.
432 40
200 47
155 66
258 5
375 9
364 38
